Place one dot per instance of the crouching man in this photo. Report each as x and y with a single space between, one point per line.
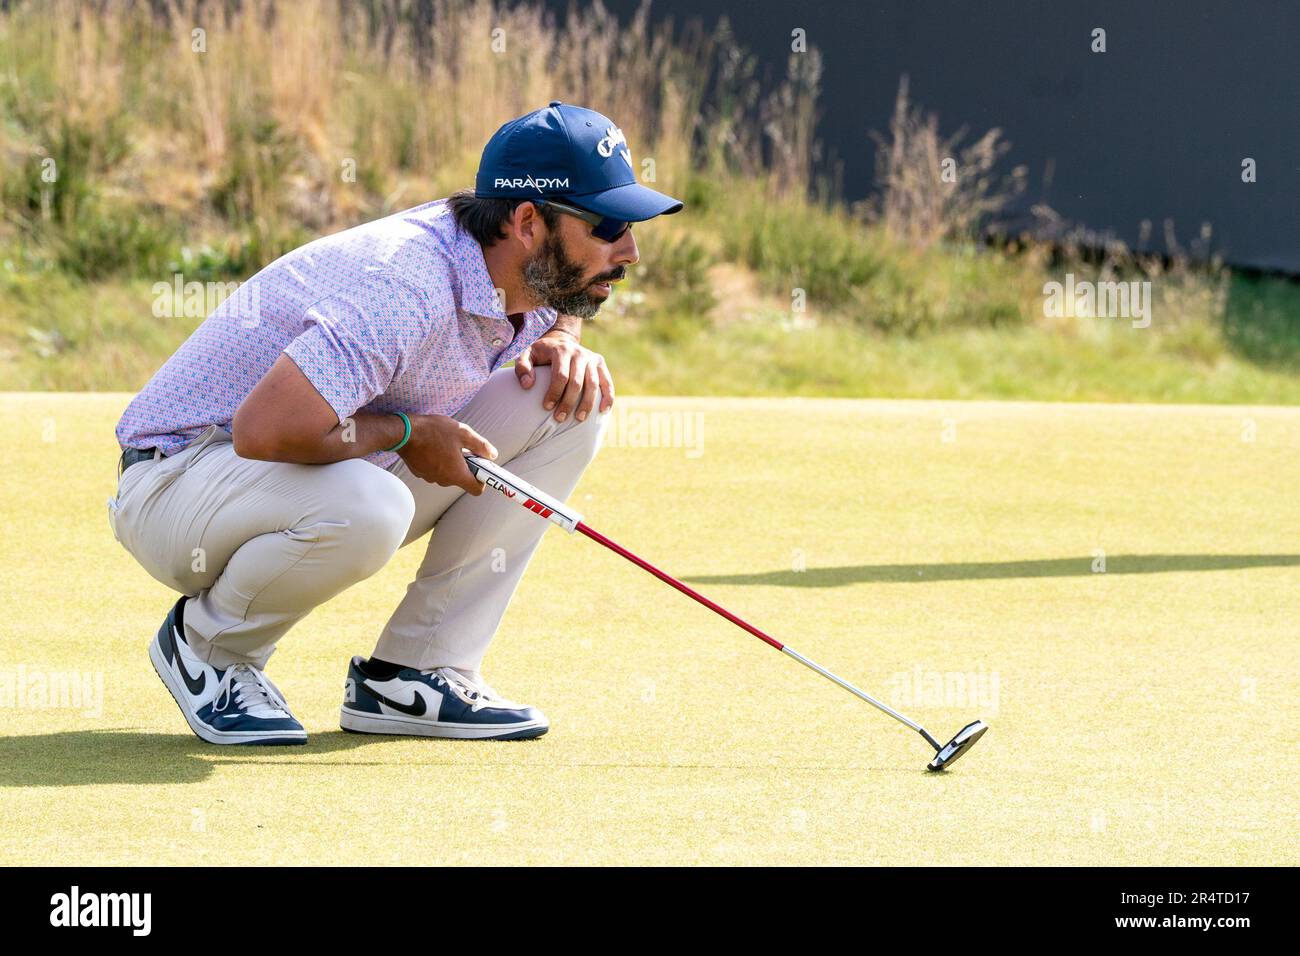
317 421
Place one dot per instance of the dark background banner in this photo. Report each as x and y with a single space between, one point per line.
1154 128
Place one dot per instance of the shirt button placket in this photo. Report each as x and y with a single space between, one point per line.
499 338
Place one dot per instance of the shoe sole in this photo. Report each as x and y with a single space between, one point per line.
204 732
361 723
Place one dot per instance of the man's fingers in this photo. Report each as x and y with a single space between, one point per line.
572 391
524 369
606 385
559 381
476 443
468 482
590 392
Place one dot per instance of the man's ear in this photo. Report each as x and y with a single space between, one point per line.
530 228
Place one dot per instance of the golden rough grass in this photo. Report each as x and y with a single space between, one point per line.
410 106
1142 716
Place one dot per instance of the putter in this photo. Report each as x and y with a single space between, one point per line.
557 512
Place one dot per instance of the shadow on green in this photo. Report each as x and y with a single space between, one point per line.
123 756
988 570
93 757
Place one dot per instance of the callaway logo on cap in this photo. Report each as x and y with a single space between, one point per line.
567 152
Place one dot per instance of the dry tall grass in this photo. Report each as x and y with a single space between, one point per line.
274 114
210 136
918 204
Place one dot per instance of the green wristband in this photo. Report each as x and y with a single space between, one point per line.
405 438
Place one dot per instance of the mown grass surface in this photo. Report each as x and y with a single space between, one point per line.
1137 715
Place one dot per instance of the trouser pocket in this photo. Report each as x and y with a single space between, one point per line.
143 513
128 482
138 487
112 519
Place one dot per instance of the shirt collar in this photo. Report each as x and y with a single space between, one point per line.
478 295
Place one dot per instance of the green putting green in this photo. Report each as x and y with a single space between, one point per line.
1114 589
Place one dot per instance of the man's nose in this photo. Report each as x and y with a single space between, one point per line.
626 252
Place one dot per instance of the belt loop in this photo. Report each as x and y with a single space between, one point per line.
121 460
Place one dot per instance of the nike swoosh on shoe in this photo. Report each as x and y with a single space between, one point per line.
417 707
173 656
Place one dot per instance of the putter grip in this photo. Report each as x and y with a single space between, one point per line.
521 492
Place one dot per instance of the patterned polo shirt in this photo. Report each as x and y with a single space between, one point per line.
398 314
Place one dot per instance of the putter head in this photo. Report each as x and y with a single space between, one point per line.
964 741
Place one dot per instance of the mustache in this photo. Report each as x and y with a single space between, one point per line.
612 277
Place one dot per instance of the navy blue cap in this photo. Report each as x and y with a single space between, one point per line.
566 152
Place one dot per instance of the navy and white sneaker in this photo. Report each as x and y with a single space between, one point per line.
436 703
235 705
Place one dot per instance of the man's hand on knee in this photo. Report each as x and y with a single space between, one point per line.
579 376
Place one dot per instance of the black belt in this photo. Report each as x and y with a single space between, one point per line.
132 456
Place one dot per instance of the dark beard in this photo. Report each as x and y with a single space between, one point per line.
556 281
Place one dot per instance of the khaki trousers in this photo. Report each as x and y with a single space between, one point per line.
257 545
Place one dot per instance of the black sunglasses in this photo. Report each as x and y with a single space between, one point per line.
611 230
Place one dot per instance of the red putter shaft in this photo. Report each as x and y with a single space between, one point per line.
599 538
595 535
560 513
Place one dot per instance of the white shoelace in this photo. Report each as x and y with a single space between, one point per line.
477 695
251 691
